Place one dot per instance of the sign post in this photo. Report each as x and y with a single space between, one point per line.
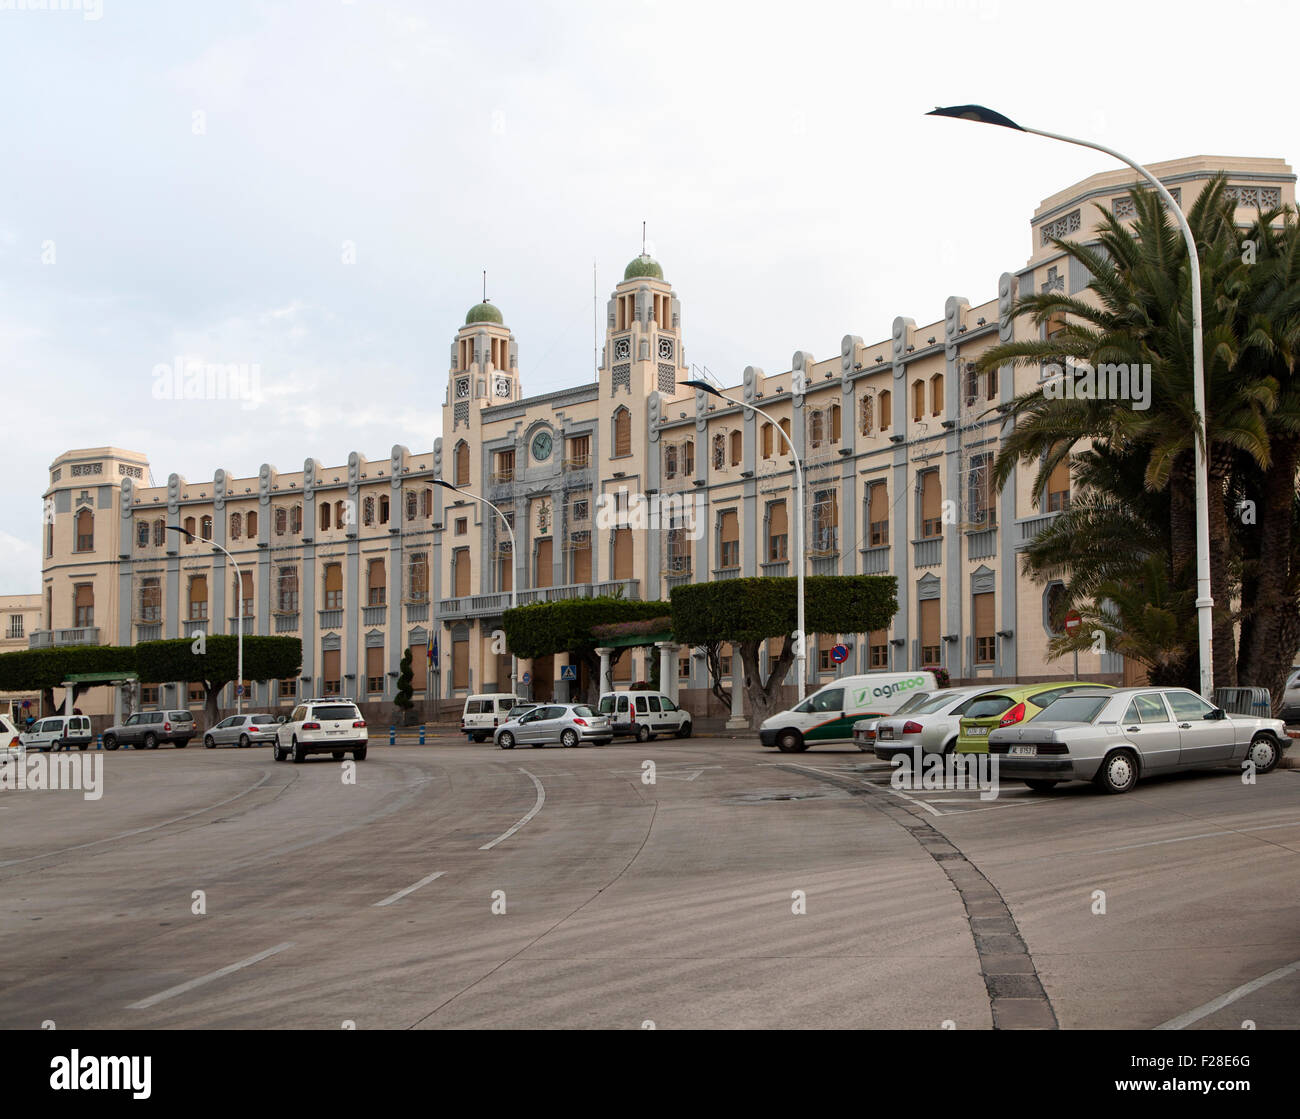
1072 623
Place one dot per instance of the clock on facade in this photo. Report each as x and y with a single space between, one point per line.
542 446
666 348
501 388
462 389
622 349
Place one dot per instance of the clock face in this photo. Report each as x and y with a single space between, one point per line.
502 388
622 348
542 446
462 389
666 348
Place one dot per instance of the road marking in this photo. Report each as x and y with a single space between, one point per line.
1232 996
409 889
172 992
536 808
1189 838
872 785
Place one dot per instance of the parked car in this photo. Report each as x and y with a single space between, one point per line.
242 730
322 726
59 732
11 742
864 730
1114 737
1290 712
484 713
148 729
829 715
520 708
931 724
569 724
645 715
1005 707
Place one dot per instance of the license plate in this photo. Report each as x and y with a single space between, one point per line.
1023 751
333 732
976 732
885 732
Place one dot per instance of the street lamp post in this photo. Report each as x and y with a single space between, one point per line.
1204 595
239 613
800 650
514 600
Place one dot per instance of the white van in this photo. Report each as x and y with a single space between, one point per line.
827 716
645 715
484 713
59 732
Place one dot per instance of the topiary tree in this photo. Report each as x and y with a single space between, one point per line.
748 612
43 670
403 700
213 662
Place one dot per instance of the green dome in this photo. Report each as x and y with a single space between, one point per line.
483 312
643 266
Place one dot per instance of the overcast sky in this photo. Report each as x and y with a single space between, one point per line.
181 179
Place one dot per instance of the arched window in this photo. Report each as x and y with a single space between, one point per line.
426 503
622 433
816 428
737 447
720 451
189 525
768 435
236 525
383 509
142 534
410 505
462 464
886 410
252 526
281 521
295 520
866 414
333 586
324 514
936 395
198 598
835 423
340 514
159 532
85 531
206 528
918 401
368 511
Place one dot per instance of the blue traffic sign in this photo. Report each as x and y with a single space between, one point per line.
527 678
568 672
840 653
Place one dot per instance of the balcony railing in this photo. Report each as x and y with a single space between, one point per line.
417 611
875 561
776 568
374 615
78 635
927 553
331 619
1026 530
982 544
286 623
148 631
249 627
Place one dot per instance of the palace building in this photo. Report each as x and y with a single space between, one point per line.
362 559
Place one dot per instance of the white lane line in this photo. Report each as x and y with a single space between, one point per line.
1232 996
1189 838
536 808
409 889
872 785
172 992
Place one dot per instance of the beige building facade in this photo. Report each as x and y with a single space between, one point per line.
630 484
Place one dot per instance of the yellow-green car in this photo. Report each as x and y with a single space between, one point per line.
1005 707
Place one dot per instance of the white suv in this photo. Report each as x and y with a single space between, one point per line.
322 726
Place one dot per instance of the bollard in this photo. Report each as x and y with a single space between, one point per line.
392 736
99 742
421 734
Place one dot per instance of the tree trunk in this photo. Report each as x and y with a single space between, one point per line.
1223 641
762 695
210 694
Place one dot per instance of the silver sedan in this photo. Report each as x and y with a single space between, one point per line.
932 725
1115 737
569 724
242 730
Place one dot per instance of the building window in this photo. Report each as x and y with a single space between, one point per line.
142 534
281 521
324 515
341 518
418 578
195 692
670 460
720 451
148 695
286 593
15 625
462 463
505 471
236 525
251 526
198 598
1058 487
374 670
1055 608
242 589
150 599
189 527
383 509
461 573
86 531
331 673
816 428
835 423
737 447
333 586
931 505
462 526
986 641
729 539
878 648
866 414
409 499
878 514
205 528
368 511
288 689
767 440
578 453
426 503
886 410
295 520
936 395
930 648
376 583
778 533
918 400
622 433
825 523
982 508
159 532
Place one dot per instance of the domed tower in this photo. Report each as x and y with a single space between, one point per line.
484 364
643 351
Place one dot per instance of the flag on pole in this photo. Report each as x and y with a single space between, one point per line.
433 648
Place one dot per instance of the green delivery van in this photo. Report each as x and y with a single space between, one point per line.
827 716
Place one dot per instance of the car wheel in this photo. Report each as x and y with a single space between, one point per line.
569 738
1040 785
299 754
480 738
643 732
359 755
338 755
949 746
1118 773
110 742
506 741
791 742
684 731
83 746
243 740
181 743
209 742
150 742
1263 752
276 755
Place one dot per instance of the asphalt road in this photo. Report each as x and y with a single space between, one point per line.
627 903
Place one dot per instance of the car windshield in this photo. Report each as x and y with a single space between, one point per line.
261 720
583 711
336 712
1073 709
936 701
606 704
182 717
987 705
913 703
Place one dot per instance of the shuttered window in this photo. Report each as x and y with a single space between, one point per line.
333 586
198 598
622 433
376 583
985 629
461 561
878 515
729 536
331 673
84 603
375 670
878 648
931 505
545 558
930 632
1058 487
623 553
778 534
886 410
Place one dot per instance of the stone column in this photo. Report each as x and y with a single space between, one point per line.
737 720
606 684
668 668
